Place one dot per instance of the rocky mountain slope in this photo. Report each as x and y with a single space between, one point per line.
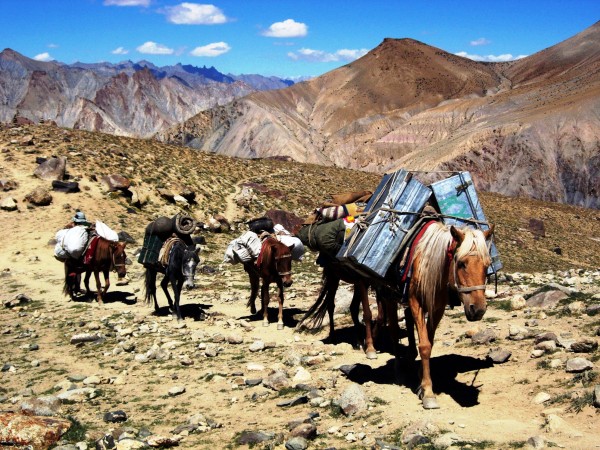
527 375
407 104
129 99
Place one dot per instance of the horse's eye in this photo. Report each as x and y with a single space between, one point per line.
461 264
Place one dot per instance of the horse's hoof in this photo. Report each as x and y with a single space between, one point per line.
371 355
252 311
265 323
430 403
280 326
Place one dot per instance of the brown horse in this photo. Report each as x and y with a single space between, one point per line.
448 263
107 256
274 265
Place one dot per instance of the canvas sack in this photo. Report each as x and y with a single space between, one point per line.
106 232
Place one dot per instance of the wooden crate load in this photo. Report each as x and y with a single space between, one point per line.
392 211
456 199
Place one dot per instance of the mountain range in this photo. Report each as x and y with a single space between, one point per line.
129 99
529 127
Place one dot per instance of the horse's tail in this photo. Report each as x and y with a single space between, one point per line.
149 285
316 313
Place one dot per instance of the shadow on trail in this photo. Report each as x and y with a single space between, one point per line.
195 311
444 370
289 321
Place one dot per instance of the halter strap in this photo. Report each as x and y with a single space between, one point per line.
463 289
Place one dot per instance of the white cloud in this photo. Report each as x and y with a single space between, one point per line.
211 50
286 29
120 51
310 55
52 45
195 14
490 58
127 3
152 48
43 57
480 41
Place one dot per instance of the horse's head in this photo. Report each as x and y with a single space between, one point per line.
282 255
469 269
119 258
189 264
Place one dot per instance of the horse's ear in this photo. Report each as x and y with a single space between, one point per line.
488 233
457 234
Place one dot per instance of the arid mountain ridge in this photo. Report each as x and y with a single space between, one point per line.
128 99
528 128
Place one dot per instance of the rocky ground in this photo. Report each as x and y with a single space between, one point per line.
119 375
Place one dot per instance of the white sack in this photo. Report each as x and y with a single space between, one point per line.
59 251
298 247
243 249
75 240
106 232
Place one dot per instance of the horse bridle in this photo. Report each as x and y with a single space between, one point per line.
465 289
114 264
277 258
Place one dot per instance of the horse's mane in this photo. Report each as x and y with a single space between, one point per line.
432 254
103 251
474 242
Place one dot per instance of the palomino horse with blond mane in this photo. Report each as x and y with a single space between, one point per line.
447 263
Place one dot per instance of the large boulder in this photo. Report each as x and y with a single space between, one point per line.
20 430
39 197
52 169
116 182
289 220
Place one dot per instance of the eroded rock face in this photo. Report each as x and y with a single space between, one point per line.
39 432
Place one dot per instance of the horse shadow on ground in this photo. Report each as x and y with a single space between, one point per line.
444 371
195 311
289 320
109 297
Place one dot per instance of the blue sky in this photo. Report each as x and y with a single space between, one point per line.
282 37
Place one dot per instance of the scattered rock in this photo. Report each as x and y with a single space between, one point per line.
498 355
116 182
546 299
115 416
584 346
69 187
48 405
577 365
353 400
39 197
20 430
9 204
52 169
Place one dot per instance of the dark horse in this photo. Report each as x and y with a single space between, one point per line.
179 270
333 273
274 265
107 256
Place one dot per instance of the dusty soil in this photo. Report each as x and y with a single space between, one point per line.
486 405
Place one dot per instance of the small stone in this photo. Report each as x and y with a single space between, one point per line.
499 356
541 398
115 416
577 365
176 390
257 346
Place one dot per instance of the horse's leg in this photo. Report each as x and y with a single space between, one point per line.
177 284
425 389
86 281
280 315
363 289
98 285
254 284
331 286
165 287
264 297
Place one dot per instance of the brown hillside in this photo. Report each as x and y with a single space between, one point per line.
406 104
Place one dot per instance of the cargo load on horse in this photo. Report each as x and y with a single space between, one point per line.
158 231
